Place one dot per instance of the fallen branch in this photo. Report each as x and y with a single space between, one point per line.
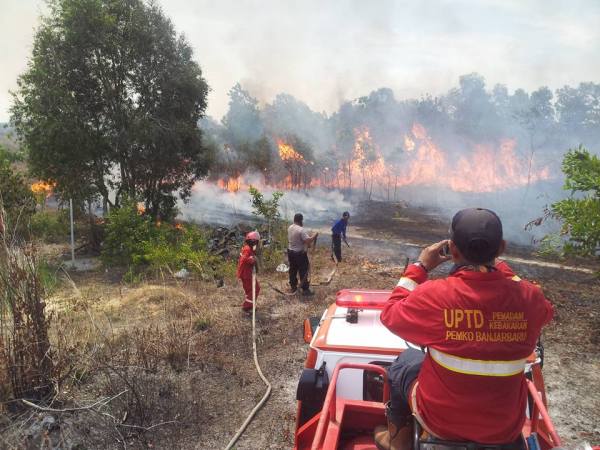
328 279
81 408
139 427
287 294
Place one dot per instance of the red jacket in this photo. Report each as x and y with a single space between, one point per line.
479 327
246 262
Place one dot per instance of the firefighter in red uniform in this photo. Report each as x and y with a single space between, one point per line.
246 263
479 325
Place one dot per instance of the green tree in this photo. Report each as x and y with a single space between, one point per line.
581 212
243 131
276 228
242 122
267 209
110 102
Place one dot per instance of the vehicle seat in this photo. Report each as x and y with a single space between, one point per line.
421 442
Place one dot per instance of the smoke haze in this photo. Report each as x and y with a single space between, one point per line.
211 204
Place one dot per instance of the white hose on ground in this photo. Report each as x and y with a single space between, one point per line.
258 369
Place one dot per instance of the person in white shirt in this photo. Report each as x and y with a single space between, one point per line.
298 241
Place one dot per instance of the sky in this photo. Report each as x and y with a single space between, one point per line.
325 52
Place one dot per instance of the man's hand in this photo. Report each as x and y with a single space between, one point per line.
431 256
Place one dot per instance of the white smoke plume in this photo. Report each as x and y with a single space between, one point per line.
211 204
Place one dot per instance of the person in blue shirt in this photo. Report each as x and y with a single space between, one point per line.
338 232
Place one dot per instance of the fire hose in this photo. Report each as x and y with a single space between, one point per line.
258 369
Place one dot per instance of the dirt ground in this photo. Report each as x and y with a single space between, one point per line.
203 394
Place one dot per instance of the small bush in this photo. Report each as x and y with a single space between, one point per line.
127 232
580 213
48 277
134 240
275 253
550 246
16 198
50 226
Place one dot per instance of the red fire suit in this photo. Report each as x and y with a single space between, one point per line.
479 327
244 273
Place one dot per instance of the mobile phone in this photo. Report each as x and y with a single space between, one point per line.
445 250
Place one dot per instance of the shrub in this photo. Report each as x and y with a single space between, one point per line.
550 246
581 212
15 197
275 252
134 240
175 248
127 232
267 209
50 227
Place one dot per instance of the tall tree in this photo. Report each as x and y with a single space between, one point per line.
538 121
110 102
472 108
579 112
242 122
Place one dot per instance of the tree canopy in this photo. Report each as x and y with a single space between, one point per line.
110 102
363 143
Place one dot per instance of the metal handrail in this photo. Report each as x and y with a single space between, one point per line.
540 409
329 405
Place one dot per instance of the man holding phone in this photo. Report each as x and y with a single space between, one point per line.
479 325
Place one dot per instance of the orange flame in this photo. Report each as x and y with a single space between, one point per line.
367 162
487 169
287 152
483 167
232 184
141 208
41 187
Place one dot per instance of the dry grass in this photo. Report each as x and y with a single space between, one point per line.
26 367
151 341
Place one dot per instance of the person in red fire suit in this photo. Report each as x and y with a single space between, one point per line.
479 325
246 263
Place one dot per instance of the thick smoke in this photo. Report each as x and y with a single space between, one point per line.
472 146
211 204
